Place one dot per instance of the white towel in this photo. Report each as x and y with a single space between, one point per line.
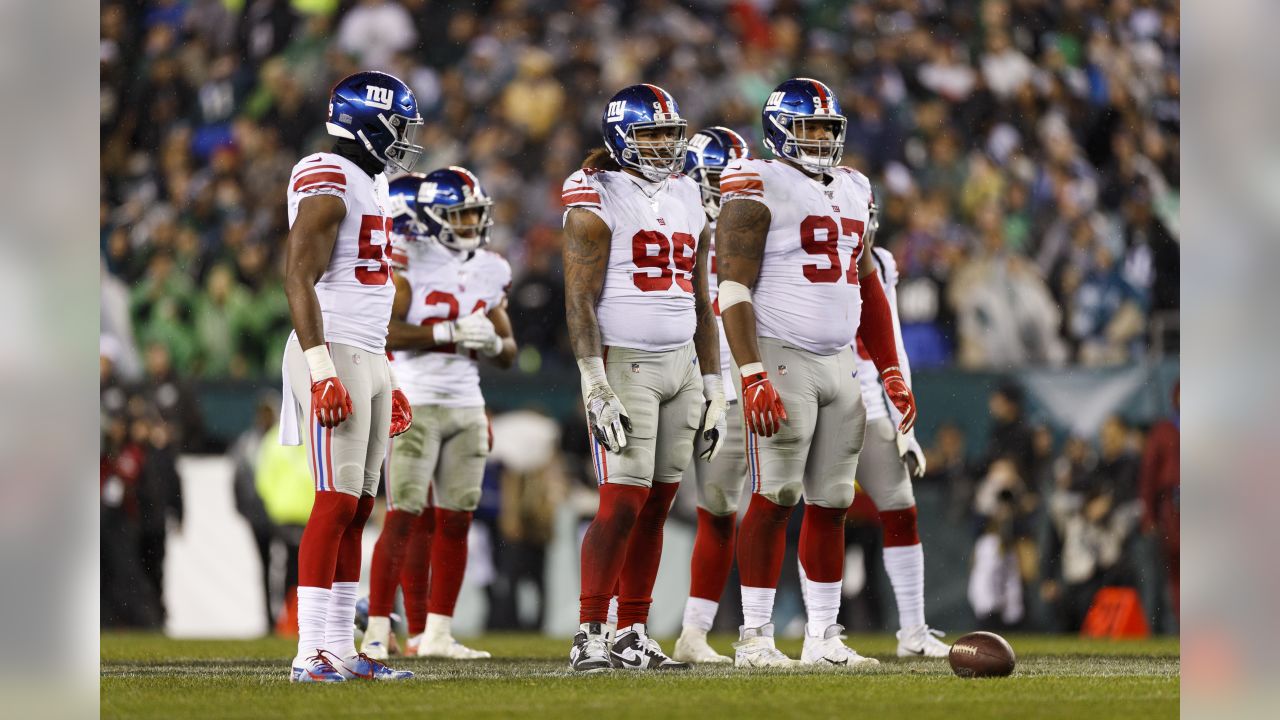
289 431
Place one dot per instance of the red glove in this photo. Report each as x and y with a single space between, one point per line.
401 412
761 404
900 395
330 402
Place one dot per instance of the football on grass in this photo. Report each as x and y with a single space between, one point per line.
981 654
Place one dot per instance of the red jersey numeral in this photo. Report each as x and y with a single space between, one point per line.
651 250
450 301
368 251
828 246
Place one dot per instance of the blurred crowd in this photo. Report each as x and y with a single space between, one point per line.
1026 152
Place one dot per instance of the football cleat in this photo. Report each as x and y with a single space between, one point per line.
633 649
444 646
692 647
377 638
590 651
922 641
755 649
831 650
362 667
316 668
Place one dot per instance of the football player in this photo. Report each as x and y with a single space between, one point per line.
888 462
449 311
719 482
338 385
795 288
642 329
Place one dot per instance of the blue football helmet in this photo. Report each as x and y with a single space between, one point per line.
788 116
448 205
380 112
637 108
709 152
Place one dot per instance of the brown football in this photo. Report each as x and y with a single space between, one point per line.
981 654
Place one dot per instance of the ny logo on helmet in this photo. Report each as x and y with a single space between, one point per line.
699 141
775 101
427 192
617 109
379 97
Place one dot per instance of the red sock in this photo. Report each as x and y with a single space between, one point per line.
388 558
331 513
762 542
644 552
448 560
712 555
604 548
900 529
347 568
822 543
415 574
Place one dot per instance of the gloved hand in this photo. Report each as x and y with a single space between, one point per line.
476 332
901 397
762 406
606 416
912 454
714 424
330 401
401 412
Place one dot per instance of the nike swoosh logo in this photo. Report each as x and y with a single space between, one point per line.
314 160
628 663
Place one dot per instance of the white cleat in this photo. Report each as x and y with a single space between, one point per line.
830 650
755 649
377 638
692 647
922 641
446 647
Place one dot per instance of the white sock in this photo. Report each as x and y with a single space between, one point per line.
804 584
313 608
612 618
700 614
822 601
439 625
757 606
340 622
905 566
378 627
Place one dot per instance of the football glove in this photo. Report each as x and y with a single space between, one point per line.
606 416
476 332
714 424
401 412
900 395
330 402
912 454
761 405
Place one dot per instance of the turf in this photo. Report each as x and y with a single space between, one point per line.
149 676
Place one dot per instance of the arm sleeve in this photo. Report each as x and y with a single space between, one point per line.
742 180
317 175
582 190
889 279
877 327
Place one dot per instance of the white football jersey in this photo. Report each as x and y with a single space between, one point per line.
873 397
713 287
447 286
355 291
807 291
647 299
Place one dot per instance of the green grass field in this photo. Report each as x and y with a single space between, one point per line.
149 676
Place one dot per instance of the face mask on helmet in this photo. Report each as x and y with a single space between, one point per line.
465 226
404 151
814 142
708 180
655 149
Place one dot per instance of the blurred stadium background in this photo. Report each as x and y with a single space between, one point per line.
1027 157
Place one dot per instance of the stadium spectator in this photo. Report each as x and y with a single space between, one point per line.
243 455
1160 482
284 483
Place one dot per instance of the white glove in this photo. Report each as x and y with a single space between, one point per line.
911 453
476 332
714 423
606 417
